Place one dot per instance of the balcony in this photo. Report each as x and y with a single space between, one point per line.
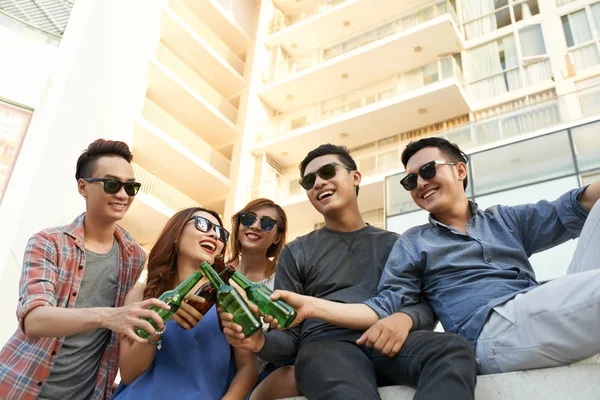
404 102
155 203
218 16
30 31
381 50
180 157
182 93
200 48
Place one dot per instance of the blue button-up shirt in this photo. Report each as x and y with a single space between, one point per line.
465 275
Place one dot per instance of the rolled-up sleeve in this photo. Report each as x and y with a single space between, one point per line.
39 277
400 284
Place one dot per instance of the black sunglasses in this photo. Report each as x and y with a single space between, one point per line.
266 223
112 186
427 172
204 225
326 172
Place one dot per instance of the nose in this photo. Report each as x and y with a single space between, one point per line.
319 182
256 224
213 233
121 194
421 183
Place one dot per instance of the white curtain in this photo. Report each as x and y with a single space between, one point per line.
596 16
485 62
532 41
476 8
580 28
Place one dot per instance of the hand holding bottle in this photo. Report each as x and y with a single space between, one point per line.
235 337
188 315
304 306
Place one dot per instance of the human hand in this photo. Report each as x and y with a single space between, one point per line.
235 337
188 316
123 320
304 306
388 335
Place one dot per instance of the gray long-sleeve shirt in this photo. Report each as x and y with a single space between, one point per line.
339 266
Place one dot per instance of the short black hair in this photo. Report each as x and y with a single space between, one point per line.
451 150
86 163
326 149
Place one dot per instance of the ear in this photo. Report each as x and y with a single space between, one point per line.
277 237
356 177
82 188
462 169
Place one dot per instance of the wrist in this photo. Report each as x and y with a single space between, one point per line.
102 317
260 342
405 320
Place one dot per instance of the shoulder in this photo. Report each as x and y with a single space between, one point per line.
135 294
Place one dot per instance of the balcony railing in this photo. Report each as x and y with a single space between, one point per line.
182 135
585 55
524 119
28 30
163 193
196 83
441 69
323 54
281 21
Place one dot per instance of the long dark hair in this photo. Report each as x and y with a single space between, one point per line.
275 249
162 260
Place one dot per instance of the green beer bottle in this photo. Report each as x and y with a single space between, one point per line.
260 295
209 292
232 302
173 298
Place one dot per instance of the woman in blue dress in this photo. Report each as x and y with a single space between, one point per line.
194 363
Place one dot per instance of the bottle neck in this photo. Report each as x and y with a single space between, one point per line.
187 285
241 280
219 264
212 275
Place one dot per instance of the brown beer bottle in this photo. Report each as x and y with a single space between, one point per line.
208 291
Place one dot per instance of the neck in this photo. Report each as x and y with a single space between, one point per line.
97 231
254 265
185 268
457 217
348 219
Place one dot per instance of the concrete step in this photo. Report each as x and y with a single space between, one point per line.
580 381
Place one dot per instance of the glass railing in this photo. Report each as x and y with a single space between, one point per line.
281 21
26 29
390 27
162 192
585 55
196 83
441 69
522 120
182 135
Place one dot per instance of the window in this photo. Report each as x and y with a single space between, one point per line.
483 16
582 33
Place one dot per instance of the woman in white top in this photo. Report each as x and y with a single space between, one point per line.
257 239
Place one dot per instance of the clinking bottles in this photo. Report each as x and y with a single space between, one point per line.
232 302
208 291
260 295
173 298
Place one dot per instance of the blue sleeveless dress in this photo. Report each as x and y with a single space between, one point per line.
194 364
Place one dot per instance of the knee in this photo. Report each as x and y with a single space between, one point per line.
458 348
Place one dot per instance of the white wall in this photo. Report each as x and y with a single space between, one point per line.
25 67
96 90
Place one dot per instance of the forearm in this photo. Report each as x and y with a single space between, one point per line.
422 315
279 346
48 321
352 316
590 196
245 377
135 359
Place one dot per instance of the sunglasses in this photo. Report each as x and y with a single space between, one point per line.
427 172
326 172
112 186
204 225
266 223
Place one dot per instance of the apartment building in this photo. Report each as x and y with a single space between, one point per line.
221 99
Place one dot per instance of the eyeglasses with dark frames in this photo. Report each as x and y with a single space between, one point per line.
112 186
204 225
427 172
326 172
266 223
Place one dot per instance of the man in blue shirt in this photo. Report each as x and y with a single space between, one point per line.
473 267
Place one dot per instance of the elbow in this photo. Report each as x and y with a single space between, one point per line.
31 327
127 376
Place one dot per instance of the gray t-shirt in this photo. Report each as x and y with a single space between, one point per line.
73 375
344 267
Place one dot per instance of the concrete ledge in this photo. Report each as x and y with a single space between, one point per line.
579 381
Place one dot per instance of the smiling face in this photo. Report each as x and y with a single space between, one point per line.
254 238
331 196
199 246
441 193
99 204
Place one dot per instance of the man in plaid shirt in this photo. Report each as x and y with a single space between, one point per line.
72 288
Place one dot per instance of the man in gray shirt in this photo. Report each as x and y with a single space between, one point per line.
343 262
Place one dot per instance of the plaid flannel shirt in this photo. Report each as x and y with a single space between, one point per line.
53 267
